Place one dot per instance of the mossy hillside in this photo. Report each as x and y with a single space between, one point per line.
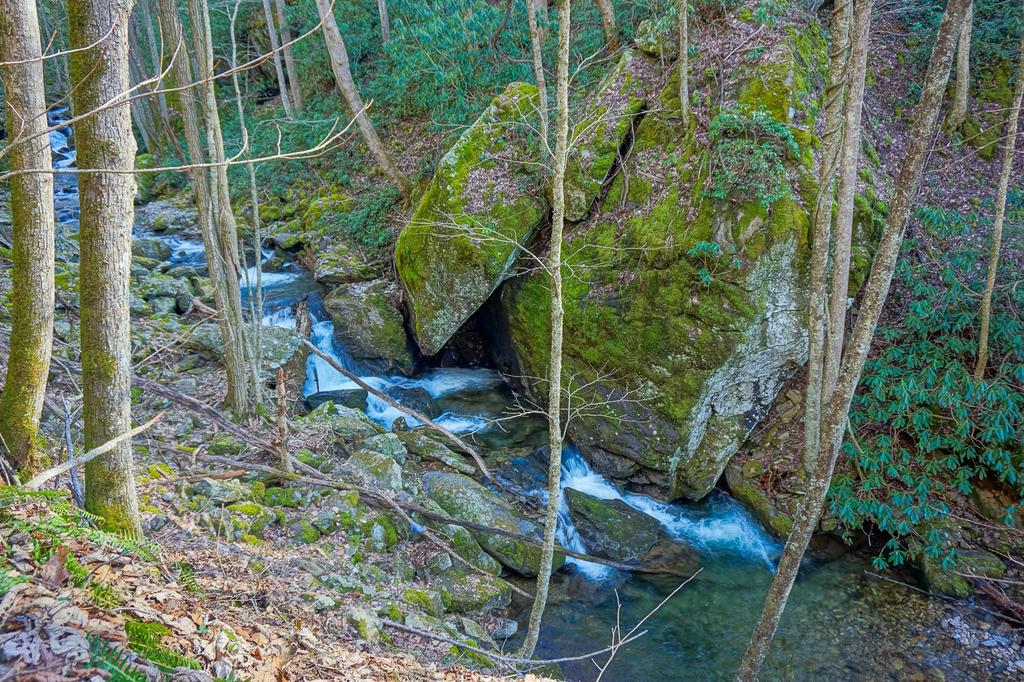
482 205
636 298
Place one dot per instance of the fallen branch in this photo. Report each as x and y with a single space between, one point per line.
508 659
43 477
462 445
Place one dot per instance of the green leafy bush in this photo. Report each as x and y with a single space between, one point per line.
749 154
922 427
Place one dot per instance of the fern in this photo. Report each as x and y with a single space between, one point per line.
8 580
113 660
146 640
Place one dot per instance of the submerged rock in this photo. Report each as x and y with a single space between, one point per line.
484 203
367 321
611 529
465 499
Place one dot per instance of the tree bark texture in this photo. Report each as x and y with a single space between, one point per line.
275 47
105 143
1009 149
32 283
289 58
554 268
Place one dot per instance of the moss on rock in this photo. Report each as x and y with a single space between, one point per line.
482 205
369 324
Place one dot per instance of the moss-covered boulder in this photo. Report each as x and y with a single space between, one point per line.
611 529
463 592
484 203
604 125
423 444
386 444
694 304
348 424
465 499
378 468
282 349
462 541
147 247
369 324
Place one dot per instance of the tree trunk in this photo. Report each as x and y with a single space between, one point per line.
156 59
684 62
875 292
958 113
32 284
275 46
203 190
255 289
141 113
385 23
1009 149
289 57
350 93
236 362
611 33
554 268
821 226
536 50
105 142
843 225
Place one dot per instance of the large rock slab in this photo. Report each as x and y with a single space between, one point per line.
684 314
465 499
369 324
484 203
611 529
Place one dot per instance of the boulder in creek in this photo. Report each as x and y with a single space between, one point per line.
148 247
463 498
424 445
282 348
369 324
347 424
483 205
694 305
611 529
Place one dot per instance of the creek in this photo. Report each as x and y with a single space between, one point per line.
842 622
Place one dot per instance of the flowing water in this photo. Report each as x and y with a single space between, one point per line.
841 623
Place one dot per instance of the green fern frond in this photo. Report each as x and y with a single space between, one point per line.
146 640
113 660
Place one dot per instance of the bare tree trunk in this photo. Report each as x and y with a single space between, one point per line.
236 362
1009 149
255 288
289 57
817 304
958 114
540 7
350 93
536 50
684 62
843 225
32 285
156 59
385 22
203 191
611 33
275 46
141 113
554 269
875 292
105 142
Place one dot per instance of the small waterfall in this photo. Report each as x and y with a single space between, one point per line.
721 526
